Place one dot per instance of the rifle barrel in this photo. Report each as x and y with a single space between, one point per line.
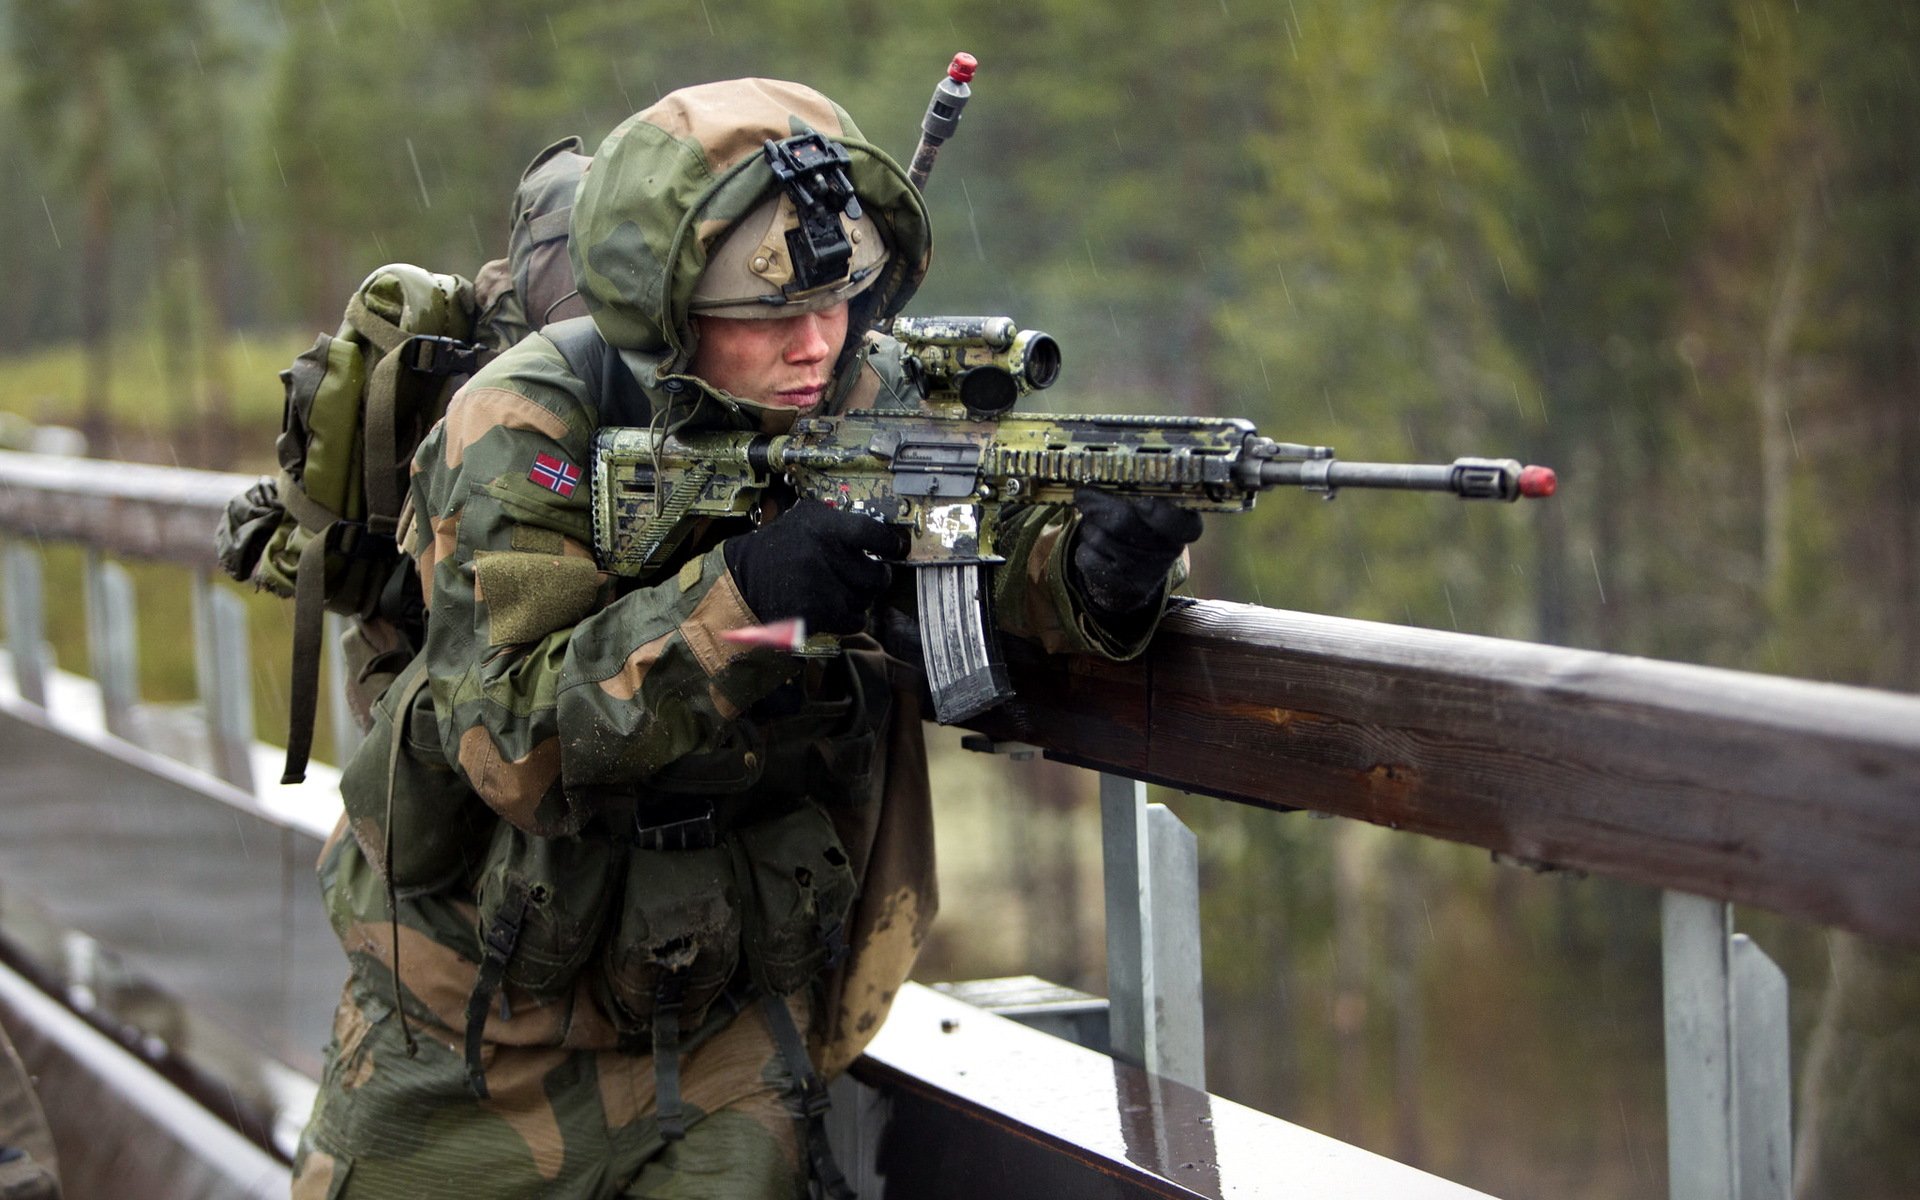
1467 478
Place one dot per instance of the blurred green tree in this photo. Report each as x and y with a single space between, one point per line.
81 68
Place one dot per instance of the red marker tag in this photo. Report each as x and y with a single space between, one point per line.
789 635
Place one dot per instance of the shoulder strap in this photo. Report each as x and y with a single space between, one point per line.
807 1103
612 391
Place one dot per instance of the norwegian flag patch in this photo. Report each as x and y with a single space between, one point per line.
554 474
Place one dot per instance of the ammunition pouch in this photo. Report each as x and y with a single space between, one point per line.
679 915
552 892
732 876
798 887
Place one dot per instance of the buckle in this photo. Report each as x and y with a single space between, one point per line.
834 937
362 541
501 938
697 832
812 1095
431 354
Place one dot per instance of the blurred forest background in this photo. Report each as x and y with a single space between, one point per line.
1670 248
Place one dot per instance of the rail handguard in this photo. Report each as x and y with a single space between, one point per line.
945 467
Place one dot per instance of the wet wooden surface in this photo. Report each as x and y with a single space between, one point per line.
199 889
978 1105
1799 797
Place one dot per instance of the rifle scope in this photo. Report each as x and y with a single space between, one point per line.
984 363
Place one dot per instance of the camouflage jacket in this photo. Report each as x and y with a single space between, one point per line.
572 704
559 696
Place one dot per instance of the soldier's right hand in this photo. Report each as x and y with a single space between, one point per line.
814 562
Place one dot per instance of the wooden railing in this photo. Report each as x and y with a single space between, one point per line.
1802 798
1716 786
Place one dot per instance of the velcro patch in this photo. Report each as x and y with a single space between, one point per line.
529 596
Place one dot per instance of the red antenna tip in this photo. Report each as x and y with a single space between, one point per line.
1538 482
962 68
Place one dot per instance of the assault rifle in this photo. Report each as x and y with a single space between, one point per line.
945 462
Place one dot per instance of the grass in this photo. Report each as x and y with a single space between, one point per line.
46 385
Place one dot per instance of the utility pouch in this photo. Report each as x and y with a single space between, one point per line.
840 767
543 902
400 791
798 887
321 464
679 917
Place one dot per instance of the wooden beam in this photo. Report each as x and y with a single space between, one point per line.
1799 797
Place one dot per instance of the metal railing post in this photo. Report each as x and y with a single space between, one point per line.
112 641
26 622
1152 879
224 668
1729 1125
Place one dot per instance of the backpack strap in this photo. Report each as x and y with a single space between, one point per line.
612 391
668 1111
309 617
498 943
808 1102
399 733
382 443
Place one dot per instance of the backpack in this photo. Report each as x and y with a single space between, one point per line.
358 404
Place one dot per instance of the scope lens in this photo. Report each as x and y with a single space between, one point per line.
988 391
1043 362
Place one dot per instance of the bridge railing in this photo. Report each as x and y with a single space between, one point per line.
1712 785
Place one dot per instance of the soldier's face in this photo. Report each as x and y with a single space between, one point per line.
781 363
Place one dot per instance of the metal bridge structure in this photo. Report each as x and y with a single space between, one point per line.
167 971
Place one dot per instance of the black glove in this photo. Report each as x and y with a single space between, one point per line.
246 528
1125 546
816 563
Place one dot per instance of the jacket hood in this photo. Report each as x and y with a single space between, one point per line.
669 183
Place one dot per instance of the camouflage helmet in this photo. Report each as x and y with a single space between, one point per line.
671 183
751 274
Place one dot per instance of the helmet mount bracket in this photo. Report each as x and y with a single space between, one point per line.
813 170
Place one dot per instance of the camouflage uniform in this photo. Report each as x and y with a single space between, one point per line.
561 707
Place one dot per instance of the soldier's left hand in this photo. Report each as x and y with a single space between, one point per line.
1125 546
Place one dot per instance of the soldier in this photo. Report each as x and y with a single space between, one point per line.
618 892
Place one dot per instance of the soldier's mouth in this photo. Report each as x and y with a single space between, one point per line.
800 397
